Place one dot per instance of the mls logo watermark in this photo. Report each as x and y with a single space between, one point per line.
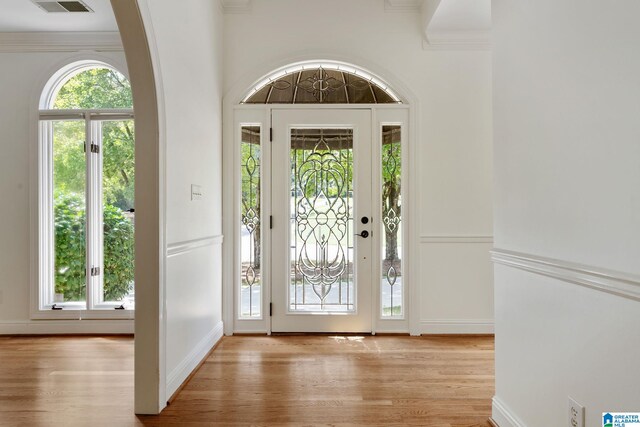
621 419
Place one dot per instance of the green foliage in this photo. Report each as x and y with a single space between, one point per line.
95 88
118 254
69 220
70 280
118 163
68 156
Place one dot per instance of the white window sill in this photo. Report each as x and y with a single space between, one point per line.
81 314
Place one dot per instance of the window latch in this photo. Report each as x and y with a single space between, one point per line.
56 307
95 271
120 307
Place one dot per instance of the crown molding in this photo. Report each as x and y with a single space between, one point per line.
402 5
457 40
60 42
236 6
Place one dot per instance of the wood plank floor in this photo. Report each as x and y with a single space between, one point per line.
261 381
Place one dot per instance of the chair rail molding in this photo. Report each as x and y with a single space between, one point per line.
236 6
402 5
60 41
185 246
614 282
456 239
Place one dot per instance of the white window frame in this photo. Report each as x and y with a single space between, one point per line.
94 307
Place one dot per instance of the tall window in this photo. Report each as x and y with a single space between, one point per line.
391 288
87 191
251 235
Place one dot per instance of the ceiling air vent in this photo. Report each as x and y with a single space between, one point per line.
62 6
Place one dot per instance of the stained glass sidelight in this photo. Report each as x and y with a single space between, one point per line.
391 286
250 242
321 220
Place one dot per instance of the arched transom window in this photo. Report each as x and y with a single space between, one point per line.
325 83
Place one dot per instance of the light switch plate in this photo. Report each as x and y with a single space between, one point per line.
196 192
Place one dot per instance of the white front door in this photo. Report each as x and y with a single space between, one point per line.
321 245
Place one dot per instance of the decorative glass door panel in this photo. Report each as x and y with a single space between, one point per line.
322 283
321 236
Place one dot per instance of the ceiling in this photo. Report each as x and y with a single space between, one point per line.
24 16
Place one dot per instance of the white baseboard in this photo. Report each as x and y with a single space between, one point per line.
456 326
189 363
503 416
45 327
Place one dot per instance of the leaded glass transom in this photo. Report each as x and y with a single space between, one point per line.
322 84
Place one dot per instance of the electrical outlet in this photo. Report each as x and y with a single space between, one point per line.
576 413
196 192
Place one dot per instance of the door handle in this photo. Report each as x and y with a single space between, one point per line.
364 234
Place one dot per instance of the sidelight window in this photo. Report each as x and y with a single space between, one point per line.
250 227
391 287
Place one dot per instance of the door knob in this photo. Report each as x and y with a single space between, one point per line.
364 219
364 234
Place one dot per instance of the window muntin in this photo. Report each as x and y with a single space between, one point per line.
86 193
93 89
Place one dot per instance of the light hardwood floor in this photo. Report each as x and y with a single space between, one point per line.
286 380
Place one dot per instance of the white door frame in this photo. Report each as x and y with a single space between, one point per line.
246 114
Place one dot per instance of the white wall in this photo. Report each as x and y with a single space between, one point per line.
22 78
454 160
567 149
188 52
